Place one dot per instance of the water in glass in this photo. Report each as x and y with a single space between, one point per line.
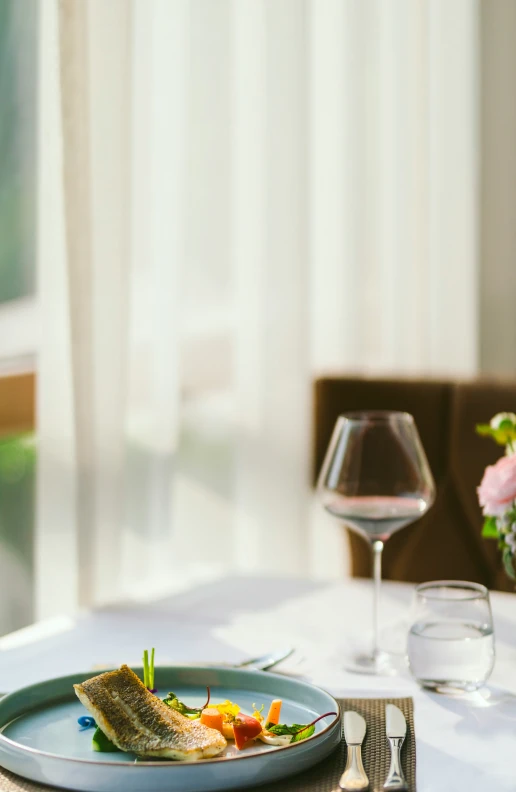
451 644
375 516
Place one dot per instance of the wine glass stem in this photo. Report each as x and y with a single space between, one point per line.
377 577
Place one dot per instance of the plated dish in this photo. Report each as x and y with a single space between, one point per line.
129 716
167 738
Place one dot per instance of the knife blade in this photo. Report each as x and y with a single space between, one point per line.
354 776
396 729
266 661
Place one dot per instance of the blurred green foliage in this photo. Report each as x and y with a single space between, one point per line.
17 517
17 468
18 193
18 117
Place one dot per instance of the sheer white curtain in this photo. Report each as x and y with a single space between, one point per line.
236 195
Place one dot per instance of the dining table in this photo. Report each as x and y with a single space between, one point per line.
463 742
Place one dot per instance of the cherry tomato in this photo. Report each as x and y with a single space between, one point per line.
245 728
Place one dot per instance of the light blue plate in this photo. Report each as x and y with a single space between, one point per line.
40 738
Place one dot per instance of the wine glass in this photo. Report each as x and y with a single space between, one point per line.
376 478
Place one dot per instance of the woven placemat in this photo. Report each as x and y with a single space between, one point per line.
324 777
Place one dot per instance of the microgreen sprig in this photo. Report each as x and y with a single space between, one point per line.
148 670
298 731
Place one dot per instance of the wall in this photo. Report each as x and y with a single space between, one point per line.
498 189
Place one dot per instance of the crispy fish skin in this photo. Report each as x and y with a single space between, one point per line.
137 721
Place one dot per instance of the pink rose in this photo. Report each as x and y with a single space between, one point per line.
497 490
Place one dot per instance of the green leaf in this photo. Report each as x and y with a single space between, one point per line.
502 436
483 429
490 528
299 731
102 743
179 706
282 728
304 734
508 563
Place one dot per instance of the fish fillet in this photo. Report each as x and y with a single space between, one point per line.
137 721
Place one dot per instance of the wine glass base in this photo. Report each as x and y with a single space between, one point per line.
378 664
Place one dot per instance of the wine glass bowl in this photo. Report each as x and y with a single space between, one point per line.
376 479
375 475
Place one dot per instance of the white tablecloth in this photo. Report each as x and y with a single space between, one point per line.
463 743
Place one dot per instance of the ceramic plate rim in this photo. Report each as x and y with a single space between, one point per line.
171 763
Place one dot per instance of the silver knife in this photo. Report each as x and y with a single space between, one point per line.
396 729
266 661
354 776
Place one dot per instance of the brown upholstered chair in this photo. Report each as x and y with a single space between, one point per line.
17 403
446 542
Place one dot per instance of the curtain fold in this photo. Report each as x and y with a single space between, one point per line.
95 69
254 192
271 269
160 33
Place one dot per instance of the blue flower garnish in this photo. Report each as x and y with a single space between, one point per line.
85 722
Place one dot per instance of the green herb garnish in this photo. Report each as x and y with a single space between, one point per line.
148 669
191 712
298 731
174 703
102 743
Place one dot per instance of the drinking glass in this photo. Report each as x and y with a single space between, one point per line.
451 640
376 479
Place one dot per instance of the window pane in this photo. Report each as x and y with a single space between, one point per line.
18 84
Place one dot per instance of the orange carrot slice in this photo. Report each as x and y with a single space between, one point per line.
274 712
213 718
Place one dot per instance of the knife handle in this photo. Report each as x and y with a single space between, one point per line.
395 777
354 776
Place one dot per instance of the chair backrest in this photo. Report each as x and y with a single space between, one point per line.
17 403
446 543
